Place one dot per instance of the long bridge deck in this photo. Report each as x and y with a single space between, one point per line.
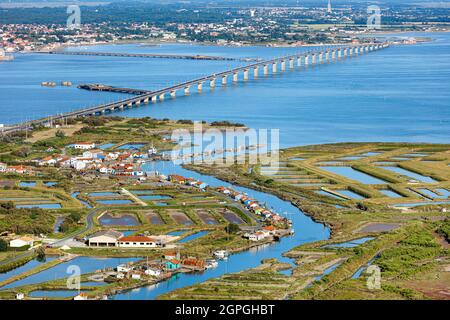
148 55
307 58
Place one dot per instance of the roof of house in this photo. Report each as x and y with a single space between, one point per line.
174 261
107 233
136 239
194 262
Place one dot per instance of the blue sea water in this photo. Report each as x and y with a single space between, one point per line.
397 94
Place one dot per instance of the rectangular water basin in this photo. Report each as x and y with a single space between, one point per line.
391 194
410 174
40 206
353 174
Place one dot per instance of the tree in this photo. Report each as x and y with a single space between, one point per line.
41 254
232 228
3 245
60 134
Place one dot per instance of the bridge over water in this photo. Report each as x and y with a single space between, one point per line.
273 65
146 55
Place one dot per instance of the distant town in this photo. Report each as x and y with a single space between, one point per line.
46 29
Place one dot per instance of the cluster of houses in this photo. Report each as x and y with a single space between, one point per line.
177 179
120 163
254 206
20 169
171 262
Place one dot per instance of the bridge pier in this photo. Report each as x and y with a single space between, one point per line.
235 77
212 82
224 80
333 55
146 100
161 97
283 65
350 52
313 59
187 90
154 99
200 87
130 105
274 67
299 61
291 63
245 74
339 53
367 49
173 94
138 103
256 73
321 57
307 60
266 69
327 56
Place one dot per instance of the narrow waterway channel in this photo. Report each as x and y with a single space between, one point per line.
306 230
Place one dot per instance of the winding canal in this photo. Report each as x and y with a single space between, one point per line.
306 230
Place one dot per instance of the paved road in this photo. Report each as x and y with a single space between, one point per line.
89 225
20 256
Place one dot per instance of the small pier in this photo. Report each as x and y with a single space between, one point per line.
102 87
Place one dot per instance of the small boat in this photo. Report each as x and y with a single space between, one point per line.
220 254
210 264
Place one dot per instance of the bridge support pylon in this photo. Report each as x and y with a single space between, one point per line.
245 74
187 90
291 63
256 73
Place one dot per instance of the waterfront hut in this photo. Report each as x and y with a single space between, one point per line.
193 263
153 272
238 196
173 264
